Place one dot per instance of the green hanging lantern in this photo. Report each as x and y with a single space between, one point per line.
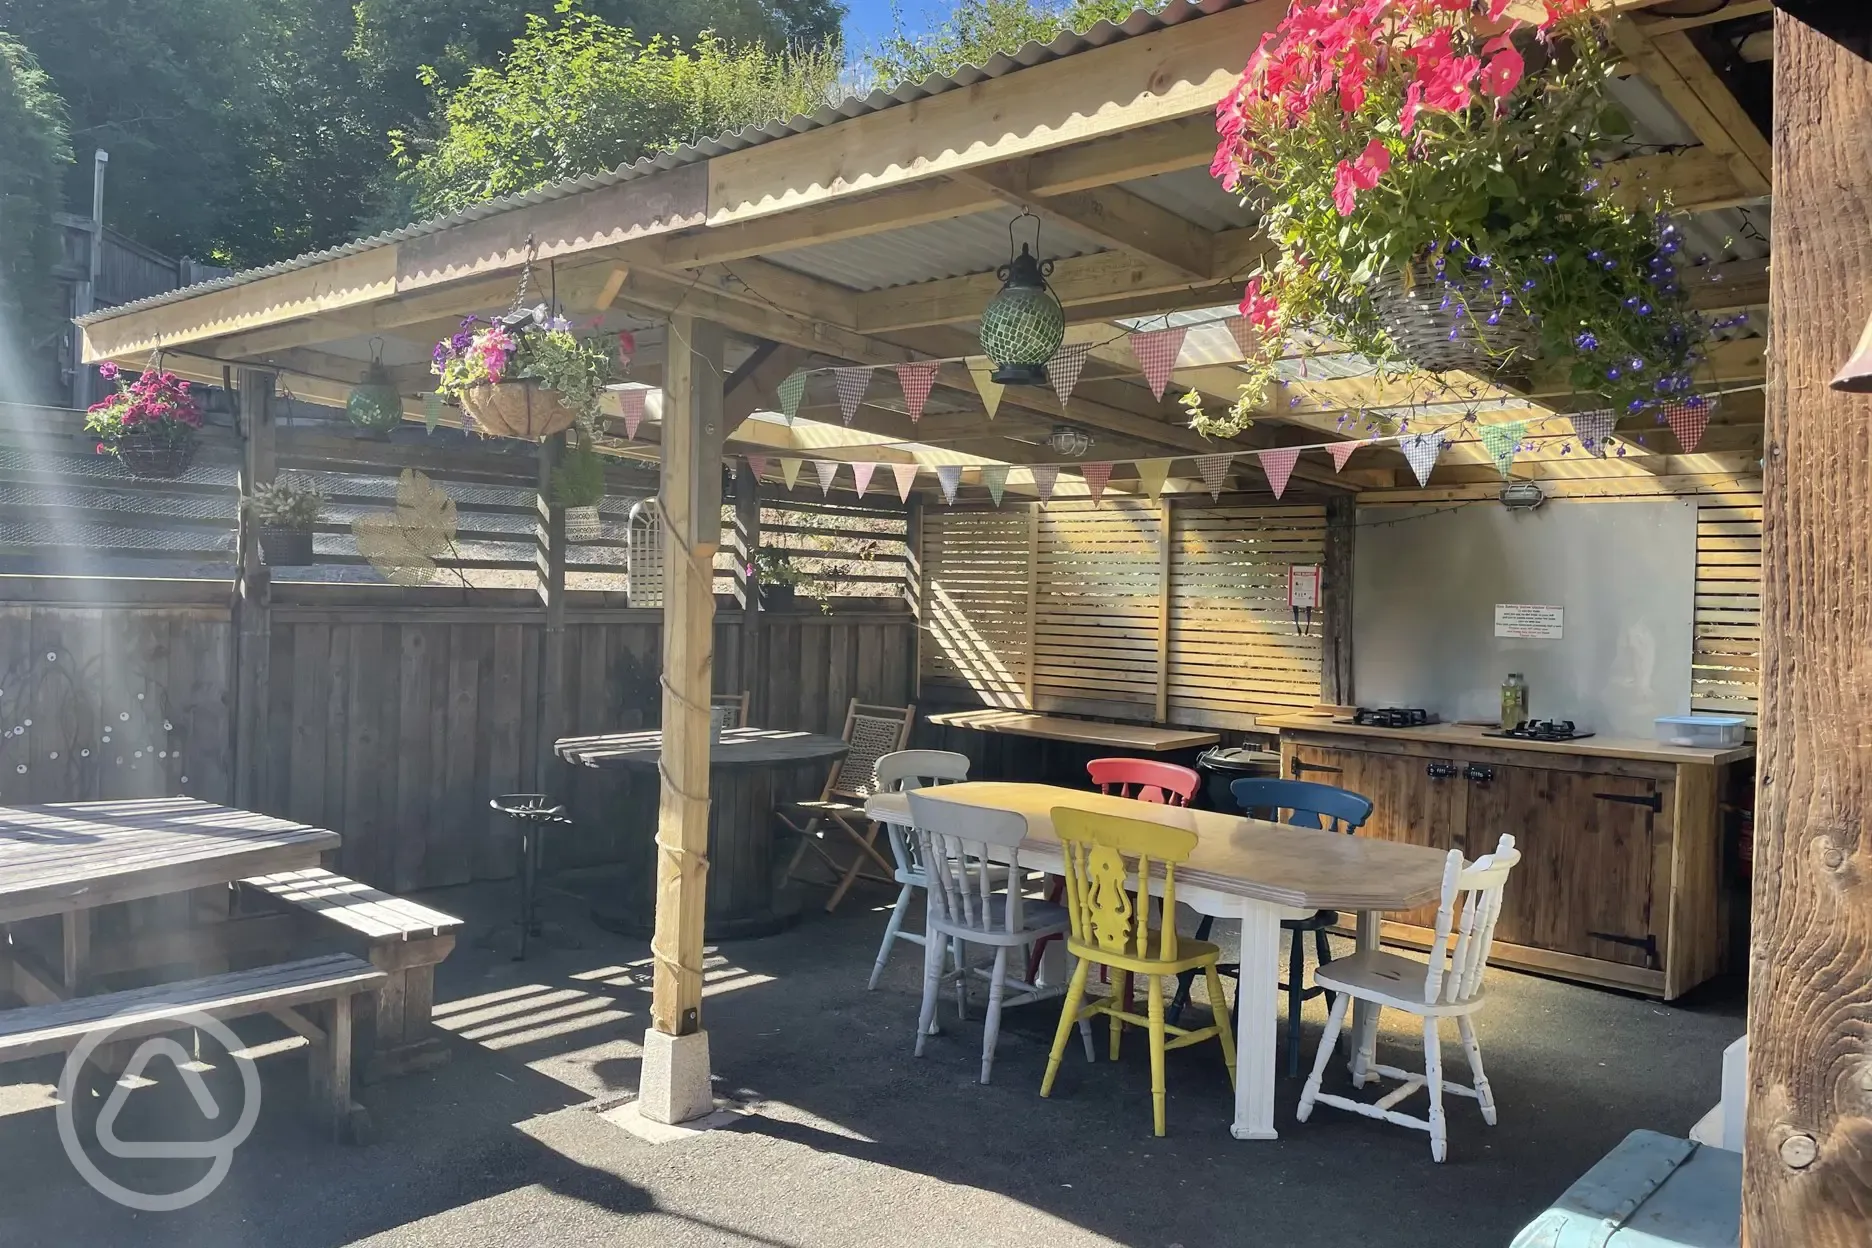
375 404
1023 325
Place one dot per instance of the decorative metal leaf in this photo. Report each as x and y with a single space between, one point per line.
405 545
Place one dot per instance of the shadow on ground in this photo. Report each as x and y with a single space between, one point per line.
851 1140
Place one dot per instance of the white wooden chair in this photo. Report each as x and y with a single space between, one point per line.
1451 985
972 902
904 770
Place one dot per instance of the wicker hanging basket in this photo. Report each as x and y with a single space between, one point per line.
155 456
1420 325
582 524
517 409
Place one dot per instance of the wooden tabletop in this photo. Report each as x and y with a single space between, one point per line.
1082 731
1273 862
738 747
77 855
1635 749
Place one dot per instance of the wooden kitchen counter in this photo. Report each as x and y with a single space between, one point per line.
1452 735
1620 880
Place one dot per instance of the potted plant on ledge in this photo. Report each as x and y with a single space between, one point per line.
149 424
524 375
1431 173
578 485
778 579
285 512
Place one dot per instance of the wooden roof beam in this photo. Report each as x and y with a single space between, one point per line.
1671 63
1114 216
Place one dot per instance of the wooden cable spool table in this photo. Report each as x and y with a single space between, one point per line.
742 900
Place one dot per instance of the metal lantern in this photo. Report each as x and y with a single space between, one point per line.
1069 441
1023 325
375 404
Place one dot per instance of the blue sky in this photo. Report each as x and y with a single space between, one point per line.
868 21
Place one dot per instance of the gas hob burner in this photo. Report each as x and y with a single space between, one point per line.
1542 730
1392 717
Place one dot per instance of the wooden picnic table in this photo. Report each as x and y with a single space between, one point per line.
69 858
1241 868
742 901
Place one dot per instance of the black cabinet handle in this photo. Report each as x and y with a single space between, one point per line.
1440 771
1481 775
1654 800
1299 768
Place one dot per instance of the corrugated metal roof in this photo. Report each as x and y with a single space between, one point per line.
1067 44
973 244
1195 196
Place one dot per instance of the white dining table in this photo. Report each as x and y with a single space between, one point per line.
1247 869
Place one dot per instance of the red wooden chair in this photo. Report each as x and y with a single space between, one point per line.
1143 779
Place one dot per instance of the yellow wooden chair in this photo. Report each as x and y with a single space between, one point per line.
1111 927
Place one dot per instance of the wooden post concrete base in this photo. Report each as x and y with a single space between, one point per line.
675 1085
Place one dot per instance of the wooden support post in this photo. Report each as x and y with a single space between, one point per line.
913 589
747 536
691 504
253 593
1807 1159
1336 602
549 560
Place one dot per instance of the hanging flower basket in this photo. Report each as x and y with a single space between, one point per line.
582 524
155 455
517 409
286 548
1429 324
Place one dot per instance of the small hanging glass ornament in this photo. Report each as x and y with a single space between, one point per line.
1023 325
375 405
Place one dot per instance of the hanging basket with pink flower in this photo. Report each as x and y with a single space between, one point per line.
150 424
1431 172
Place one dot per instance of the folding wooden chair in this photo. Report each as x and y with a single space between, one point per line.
736 706
872 732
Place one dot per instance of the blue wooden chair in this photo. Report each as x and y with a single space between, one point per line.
1308 805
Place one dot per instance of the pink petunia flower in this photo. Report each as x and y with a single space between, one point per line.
1345 188
1262 310
1413 98
1503 72
107 370
1372 164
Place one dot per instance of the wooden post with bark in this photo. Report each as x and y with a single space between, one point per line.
675 1074
549 563
1807 1158
253 592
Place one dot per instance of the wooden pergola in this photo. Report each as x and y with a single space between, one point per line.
869 235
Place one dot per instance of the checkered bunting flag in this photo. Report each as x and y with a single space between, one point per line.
1342 451
1421 451
1243 333
759 465
632 403
861 477
1045 477
1097 477
949 476
1064 368
995 476
828 473
916 380
1593 430
1502 441
1688 418
1278 464
791 391
851 384
906 477
1156 351
1214 470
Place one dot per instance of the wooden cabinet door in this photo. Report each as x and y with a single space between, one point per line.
1414 800
1584 882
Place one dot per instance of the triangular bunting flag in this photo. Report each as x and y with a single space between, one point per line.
1064 368
950 477
1045 477
851 384
1422 450
632 401
1151 475
1502 441
1214 470
985 384
1688 418
1097 477
1593 429
1244 335
789 472
1156 351
791 391
1278 464
906 477
432 411
994 476
1342 451
759 465
916 380
861 477
828 473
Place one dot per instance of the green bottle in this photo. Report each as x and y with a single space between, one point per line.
1514 701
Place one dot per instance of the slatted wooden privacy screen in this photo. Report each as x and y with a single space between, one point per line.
1725 671
1131 609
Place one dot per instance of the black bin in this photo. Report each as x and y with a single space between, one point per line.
1222 765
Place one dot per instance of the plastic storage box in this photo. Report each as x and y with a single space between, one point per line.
1709 732
1652 1191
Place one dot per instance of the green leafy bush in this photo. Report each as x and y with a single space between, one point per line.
578 479
286 504
33 157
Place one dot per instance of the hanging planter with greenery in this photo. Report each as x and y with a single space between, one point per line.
149 424
525 375
578 485
285 512
1431 173
375 405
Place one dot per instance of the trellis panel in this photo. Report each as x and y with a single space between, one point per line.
1098 587
1725 661
977 626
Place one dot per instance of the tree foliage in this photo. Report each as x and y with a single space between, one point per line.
32 160
977 29
582 95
